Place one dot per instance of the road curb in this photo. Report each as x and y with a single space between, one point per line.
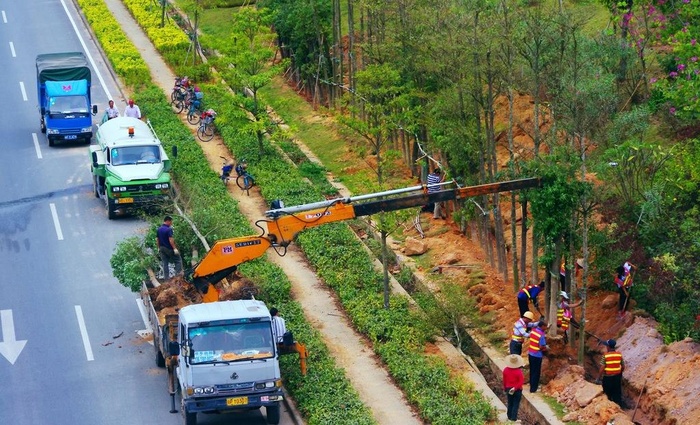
291 407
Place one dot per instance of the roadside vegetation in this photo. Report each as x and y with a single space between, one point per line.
436 109
206 200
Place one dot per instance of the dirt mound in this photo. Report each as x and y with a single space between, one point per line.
176 293
240 289
670 373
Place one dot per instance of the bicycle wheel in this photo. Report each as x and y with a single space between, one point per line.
244 182
205 132
177 105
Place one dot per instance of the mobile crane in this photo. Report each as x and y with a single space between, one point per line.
207 345
283 224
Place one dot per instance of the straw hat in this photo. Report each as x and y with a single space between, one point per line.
514 361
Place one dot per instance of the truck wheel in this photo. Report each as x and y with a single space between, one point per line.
43 127
273 414
160 360
111 212
95 187
190 418
51 142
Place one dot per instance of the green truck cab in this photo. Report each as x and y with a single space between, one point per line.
130 169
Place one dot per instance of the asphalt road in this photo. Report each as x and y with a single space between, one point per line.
69 352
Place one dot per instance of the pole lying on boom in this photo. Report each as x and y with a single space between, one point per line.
282 225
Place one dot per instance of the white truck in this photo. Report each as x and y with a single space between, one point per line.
220 356
129 166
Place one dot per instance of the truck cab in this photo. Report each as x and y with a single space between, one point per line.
129 166
228 359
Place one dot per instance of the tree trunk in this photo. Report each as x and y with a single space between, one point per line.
523 244
553 292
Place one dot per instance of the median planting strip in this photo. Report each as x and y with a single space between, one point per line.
324 395
398 334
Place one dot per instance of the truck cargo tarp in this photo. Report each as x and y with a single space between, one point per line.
62 67
66 88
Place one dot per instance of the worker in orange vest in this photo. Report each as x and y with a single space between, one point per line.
565 315
611 367
527 294
536 349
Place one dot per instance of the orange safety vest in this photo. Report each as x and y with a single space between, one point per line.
560 318
535 336
519 338
563 320
613 363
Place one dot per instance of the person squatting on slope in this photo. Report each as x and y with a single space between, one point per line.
537 348
611 367
527 294
521 331
565 315
513 381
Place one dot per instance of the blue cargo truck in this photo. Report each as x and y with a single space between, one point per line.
63 88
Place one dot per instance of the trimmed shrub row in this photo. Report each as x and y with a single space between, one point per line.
398 334
324 395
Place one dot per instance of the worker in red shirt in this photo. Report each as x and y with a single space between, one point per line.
513 381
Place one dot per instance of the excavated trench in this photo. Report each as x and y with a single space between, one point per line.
492 373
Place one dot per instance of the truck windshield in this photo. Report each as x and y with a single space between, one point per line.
69 105
227 343
135 155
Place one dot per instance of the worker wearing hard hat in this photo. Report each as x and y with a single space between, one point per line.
611 367
521 331
565 315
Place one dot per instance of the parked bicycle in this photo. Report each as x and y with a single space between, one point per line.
244 180
226 169
180 87
205 132
194 113
183 100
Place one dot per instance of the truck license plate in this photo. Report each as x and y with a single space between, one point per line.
236 401
71 137
125 200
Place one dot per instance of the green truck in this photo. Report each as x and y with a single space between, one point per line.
129 167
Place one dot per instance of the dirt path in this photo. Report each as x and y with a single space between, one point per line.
367 375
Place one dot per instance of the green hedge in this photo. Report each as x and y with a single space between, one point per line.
324 395
398 334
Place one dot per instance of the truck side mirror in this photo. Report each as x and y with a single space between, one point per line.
173 348
174 151
94 159
94 109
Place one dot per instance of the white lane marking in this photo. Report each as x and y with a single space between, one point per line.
36 145
84 334
92 62
24 92
144 333
4 17
12 49
56 223
10 348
